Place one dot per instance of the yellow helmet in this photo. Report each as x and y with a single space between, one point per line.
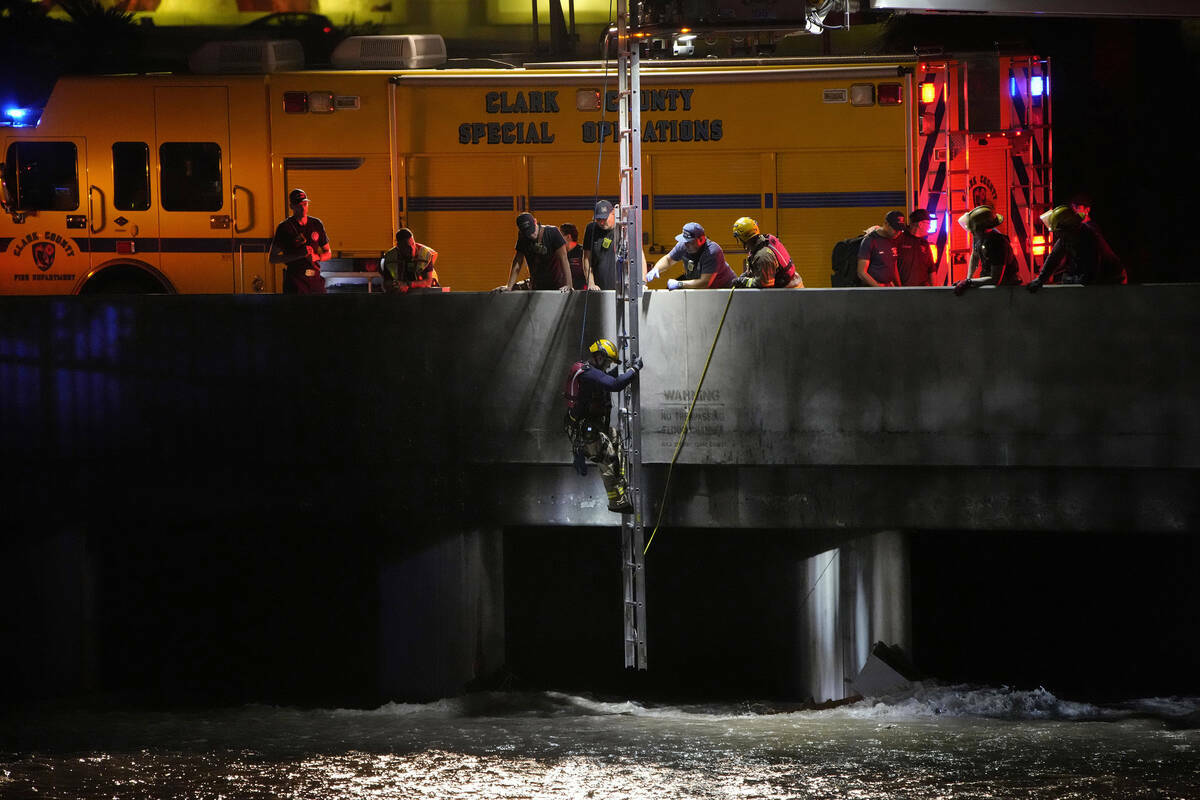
982 218
1061 217
745 229
604 347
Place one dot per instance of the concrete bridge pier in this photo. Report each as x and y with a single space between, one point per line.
441 614
853 595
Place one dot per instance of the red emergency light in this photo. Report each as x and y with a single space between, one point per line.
295 102
890 94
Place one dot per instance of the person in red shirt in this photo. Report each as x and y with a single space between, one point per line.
914 261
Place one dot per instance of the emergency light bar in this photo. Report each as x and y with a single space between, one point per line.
1038 86
17 117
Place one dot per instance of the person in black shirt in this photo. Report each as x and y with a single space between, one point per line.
574 255
544 249
301 244
992 260
600 248
1079 255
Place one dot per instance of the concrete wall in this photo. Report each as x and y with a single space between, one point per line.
232 450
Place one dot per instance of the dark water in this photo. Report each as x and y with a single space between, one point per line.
935 742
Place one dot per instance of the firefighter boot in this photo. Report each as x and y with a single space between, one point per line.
618 501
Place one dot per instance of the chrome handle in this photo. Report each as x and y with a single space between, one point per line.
92 211
249 215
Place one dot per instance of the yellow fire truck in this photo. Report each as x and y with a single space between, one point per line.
175 183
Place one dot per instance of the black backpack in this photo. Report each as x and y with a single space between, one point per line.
845 262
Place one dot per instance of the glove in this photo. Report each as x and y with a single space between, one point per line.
673 284
580 463
961 286
637 364
652 275
1034 284
741 282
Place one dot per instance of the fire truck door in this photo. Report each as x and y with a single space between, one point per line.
195 189
123 219
45 194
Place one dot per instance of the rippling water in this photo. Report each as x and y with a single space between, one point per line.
934 742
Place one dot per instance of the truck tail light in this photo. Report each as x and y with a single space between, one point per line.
891 94
295 102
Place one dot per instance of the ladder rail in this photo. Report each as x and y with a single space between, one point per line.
629 291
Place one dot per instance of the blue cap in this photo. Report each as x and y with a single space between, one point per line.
690 231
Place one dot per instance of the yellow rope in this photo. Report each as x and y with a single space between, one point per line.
686 420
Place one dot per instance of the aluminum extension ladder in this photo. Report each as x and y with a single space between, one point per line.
629 292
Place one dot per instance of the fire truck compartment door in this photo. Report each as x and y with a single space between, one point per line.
195 188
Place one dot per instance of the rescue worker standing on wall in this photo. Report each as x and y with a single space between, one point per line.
768 264
992 261
589 427
408 264
300 243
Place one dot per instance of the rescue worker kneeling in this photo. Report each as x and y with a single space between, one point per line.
590 385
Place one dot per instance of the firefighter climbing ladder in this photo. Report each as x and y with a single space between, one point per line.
629 293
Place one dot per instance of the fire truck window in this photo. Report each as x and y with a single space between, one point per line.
131 176
191 176
42 176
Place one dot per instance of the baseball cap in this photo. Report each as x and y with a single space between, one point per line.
526 222
919 215
895 220
691 231
603 209
296 195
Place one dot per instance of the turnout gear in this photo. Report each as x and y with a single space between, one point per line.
756 275
588 393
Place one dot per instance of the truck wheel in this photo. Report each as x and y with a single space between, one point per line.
124 279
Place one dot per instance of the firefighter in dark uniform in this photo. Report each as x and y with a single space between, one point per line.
300 242
589 425
768 264
992 260
1079 255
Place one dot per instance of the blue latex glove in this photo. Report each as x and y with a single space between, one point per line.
652 275
673 284
580 463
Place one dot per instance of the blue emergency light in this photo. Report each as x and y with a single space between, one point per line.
1038 85
20 117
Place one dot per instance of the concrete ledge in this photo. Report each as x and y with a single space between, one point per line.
1066 390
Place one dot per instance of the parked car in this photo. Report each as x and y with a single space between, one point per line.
315 32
